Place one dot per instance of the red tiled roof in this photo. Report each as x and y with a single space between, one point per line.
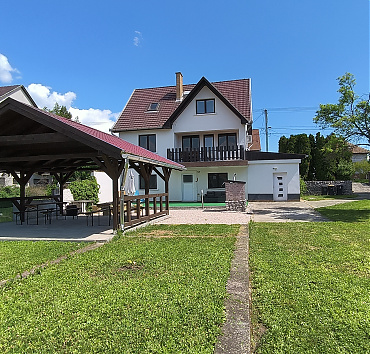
136 116
113 140
6 89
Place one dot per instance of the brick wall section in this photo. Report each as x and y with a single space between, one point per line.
315 187
235 195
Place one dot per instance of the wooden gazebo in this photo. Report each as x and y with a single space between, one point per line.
32 140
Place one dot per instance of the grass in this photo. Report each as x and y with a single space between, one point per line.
133 295
19 256
330 197
311 286
358 211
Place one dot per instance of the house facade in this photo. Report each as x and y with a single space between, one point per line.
207 127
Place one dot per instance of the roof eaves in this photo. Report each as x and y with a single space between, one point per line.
173 165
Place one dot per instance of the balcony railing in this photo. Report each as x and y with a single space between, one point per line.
219 153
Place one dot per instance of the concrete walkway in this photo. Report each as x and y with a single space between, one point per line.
59 230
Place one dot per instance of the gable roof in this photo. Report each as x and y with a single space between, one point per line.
135 116
355 149
6 91
33 138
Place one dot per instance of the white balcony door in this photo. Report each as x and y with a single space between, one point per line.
188 188
280 187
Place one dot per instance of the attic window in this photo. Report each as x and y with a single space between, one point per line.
205 106
153 107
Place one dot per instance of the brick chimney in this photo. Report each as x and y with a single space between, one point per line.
179 87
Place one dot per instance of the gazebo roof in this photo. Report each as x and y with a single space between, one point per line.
32 139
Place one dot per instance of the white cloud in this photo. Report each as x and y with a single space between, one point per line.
95 118
99 119
138 38
45 98
6 70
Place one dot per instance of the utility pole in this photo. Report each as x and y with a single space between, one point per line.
266 131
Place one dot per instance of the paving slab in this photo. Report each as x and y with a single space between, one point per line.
59 230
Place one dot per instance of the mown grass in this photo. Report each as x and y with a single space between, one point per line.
311 286
192 230
358 211
330 197
133 295
19 256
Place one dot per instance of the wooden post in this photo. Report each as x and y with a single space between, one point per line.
22 180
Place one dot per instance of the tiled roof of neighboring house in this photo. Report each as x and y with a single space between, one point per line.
6 89
136 116
355 149
256 142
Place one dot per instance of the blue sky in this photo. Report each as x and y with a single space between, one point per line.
91 55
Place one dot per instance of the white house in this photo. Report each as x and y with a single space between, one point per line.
207 127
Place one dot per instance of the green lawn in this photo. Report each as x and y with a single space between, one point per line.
19 256
133 295
330 197
358 211
311 286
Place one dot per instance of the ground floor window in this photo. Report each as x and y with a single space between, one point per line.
217 180
152 182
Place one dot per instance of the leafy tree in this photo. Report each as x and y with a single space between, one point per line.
60 111
362 168
87 189
328 158
350 117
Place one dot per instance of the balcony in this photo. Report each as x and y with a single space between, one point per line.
219 153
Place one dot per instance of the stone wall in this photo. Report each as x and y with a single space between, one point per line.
316 187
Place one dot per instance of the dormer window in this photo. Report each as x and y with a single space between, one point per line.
205 106
153 107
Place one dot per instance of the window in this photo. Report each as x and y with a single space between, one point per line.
152 182
153 107
217 180
205 106
227 140
148 142
190 142
208 141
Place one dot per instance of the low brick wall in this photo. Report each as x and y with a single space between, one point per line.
235 195
315 187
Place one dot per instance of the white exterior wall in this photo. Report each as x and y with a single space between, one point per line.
260 175
106 187
222 121
201 180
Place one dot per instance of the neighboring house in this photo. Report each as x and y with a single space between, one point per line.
19 93
358 153
207 127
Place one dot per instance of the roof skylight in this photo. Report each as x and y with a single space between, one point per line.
153 107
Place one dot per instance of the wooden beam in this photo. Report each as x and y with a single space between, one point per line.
47 157
44 138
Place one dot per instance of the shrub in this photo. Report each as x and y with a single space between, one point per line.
9 191
303 186
87 189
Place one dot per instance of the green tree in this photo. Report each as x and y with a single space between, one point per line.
350 117
362 168
328 158
61 111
